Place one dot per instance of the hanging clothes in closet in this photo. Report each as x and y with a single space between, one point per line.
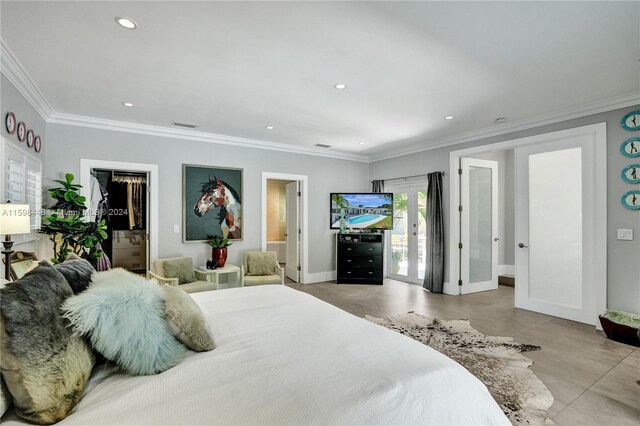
128 202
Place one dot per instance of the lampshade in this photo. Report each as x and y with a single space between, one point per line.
14 219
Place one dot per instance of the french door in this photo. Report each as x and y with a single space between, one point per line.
406 246
561 225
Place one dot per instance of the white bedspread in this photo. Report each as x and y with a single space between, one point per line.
284 357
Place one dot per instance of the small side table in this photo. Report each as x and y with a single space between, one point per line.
214 274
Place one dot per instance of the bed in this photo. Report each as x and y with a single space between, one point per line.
284 357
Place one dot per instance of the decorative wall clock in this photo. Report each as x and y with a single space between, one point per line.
631 147
631 173
631 200
37 144
11 123
631 121
30 138
22 131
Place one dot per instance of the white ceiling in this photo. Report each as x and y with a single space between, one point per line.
233 68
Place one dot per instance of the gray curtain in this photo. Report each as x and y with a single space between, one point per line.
434 259
377 186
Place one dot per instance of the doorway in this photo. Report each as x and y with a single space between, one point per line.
284 218
407 242
560 185
128 244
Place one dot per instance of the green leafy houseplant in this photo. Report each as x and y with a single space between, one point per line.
218 242
66 227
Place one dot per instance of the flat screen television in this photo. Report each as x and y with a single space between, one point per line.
362 210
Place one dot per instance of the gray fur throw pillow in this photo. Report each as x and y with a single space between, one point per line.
78 273
44 365
185 320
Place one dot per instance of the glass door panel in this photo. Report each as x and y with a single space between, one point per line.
407 245
400 235
480 227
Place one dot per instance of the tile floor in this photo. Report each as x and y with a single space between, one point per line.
594 381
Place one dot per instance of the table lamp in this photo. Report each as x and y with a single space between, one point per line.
14 219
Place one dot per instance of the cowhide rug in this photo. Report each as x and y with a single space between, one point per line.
496 361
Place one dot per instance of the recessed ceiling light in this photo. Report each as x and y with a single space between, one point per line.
340 86
501 120
126 23
128 104
362 143
449 117
269 127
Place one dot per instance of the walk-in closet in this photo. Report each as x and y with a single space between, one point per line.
121 199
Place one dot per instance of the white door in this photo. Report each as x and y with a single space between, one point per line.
407 245
479 225
292 268
561 225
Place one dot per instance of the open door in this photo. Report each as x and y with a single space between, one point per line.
561 225
479 225
292 269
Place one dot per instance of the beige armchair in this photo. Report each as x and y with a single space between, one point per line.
261 268
202 281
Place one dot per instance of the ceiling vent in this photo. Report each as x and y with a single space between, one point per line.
188 126
321 145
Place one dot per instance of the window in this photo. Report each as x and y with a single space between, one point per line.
22 182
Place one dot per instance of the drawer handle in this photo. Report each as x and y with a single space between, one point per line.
370 273
370 261
135 254
348 272
348 260
370 249
348 248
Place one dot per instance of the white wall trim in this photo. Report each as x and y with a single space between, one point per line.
12 68
304 191
149 130
319 277
507 270
591 108
85 180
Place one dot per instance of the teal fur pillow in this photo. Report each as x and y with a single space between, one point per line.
123 316
181 268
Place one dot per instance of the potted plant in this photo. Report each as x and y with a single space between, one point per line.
218 249
66 227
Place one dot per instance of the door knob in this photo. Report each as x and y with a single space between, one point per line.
414 233
496 239
521 245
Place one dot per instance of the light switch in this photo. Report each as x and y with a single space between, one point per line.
176 229
625 234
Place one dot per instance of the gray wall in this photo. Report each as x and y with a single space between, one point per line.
68 144
623 257
12 100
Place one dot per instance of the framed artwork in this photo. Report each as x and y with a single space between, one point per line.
37 144
631 121
631 147
631 173
30 137
10 123
631 200
211 202
22 131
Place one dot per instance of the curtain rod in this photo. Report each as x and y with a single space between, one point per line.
409 177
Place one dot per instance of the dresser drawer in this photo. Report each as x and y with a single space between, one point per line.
359 260
368 273
360 249
129 253
131 264
128 239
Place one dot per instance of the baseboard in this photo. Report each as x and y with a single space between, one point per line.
507 270
318 277
452 289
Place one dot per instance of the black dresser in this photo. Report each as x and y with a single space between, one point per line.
360 258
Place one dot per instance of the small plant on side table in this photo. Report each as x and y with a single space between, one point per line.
218 249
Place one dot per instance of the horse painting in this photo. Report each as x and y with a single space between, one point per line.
217 193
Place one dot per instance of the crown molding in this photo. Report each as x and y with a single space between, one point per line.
192 135
609 104
12 68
